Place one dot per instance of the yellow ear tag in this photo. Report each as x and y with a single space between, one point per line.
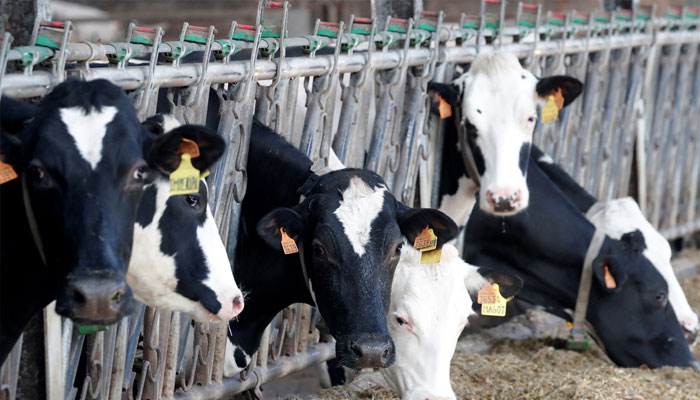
492 303
550 111
444 108
289 246
609 279
185 179
7 173
431 256
426 240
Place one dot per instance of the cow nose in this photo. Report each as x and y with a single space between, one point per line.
237 305
372 353
695 365
97 299
504 200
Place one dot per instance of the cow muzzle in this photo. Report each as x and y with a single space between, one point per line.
95 300
367 351
504 201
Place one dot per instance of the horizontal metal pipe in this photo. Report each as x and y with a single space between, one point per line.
259 375
682 230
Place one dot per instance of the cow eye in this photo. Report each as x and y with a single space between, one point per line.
37 174
531 119
479 111
319 250
192 200
400 321
139 174
661 297
398 249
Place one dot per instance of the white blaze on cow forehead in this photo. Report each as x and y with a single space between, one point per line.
170 122
359 207
88 129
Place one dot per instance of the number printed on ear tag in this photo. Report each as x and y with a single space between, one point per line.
185 179
289 246
7 173
493 303
550 111
426 240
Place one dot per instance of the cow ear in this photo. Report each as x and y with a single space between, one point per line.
508 284
163 151
447 91
570 87
269 227
15 114
412 221
609 272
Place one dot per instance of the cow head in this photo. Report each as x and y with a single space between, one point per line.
179 261
79 157
497 101
350 229
633 317
430 306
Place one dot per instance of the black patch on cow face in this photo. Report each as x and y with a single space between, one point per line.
147 206
472 134
524 157
240 358
182 216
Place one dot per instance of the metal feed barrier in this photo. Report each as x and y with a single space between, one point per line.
636 125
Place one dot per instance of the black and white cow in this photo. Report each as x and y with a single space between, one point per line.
179 261
80 160
546 246
617 217
349 229
497 100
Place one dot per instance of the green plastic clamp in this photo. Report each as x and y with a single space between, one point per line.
178 51
192 38
396 29
122 52
471 25
361 29
418 37
387 39
272 48
526 24
32 55
228 48
572 344
144 40
327 33
427 27
88 329
351 41
315 43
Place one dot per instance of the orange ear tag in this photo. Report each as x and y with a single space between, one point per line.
559 99
609 279
426 240
550 111
190 147
492 303
444 108
7 173
289 246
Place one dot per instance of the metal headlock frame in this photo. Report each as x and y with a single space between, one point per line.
641 101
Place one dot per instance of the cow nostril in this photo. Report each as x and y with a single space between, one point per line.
117 297
355 349
386 354
77 296
238 300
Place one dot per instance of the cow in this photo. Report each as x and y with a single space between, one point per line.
430 306
496 101
546 247
179 261
349 230
68 219
620 216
